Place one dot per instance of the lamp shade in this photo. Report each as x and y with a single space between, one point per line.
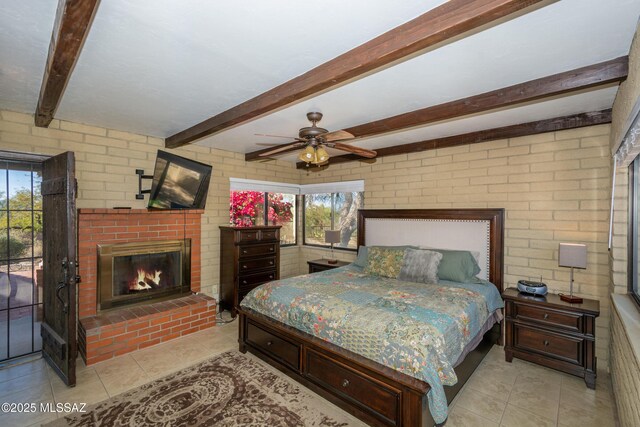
332 236
572 255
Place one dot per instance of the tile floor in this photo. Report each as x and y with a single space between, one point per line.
517 394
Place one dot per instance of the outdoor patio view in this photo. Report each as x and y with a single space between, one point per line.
20 258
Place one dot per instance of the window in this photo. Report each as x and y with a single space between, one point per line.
634 229
332 211
264 203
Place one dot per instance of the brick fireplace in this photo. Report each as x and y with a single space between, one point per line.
106 333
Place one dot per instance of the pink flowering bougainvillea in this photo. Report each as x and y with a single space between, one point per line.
246 207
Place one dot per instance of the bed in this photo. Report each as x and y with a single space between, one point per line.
341 363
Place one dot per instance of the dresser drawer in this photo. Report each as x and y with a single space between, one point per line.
257 264
569 321
248 236
353 386
284 351
549 343
270 235
250 281
257 250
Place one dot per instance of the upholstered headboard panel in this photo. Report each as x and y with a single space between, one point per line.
477 230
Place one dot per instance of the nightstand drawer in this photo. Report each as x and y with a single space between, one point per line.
548 343
569 321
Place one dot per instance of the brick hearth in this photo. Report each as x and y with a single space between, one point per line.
122 331
103 335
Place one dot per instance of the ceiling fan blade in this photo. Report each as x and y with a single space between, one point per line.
337 135
280 136
286 147
370 154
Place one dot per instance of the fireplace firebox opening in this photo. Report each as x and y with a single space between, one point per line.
136 272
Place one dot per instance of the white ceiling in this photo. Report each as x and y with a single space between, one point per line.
157 67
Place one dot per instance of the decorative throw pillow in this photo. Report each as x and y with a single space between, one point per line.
384 262
363 254
420 265
457 266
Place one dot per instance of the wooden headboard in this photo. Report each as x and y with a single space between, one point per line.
480 231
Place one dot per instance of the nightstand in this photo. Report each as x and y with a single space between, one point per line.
323 264
552 333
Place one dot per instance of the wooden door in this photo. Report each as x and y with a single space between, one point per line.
58 332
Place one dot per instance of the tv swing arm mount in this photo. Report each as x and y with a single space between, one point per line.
141 176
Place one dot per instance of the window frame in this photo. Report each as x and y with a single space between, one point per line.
333 214
633 244
266 214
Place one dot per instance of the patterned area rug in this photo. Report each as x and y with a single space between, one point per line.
228 390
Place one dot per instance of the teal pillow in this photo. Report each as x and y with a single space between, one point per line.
361 260
457 266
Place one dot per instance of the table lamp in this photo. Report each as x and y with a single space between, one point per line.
332 236
572 255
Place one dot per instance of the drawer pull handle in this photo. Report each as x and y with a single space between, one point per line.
546 316
271 276
270 262
270 249
244 282
269 343
244 251
345 383
244 266
546 343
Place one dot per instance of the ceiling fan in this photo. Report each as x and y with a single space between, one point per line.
313 139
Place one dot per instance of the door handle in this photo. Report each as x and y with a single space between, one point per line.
63 284
59 288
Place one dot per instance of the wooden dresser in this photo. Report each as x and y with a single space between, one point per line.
249 256
552 333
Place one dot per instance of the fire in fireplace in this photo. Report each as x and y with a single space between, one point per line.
130 273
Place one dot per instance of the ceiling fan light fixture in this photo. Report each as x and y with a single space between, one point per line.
321 155
308 154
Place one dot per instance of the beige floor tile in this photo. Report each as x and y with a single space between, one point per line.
12 371
498 371
121 374
542 384
88 390
595 415
539 402
460 417
481 404
518 417
486 385
35 380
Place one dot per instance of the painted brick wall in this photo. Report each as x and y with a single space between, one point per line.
625 372
106 160
555 188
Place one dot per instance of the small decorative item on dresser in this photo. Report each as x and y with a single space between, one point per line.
332 236
552 333
572 255
317 265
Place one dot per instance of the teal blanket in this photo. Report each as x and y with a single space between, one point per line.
415 328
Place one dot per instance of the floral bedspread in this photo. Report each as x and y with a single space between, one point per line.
402 325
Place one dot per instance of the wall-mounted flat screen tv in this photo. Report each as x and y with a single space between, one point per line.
179 183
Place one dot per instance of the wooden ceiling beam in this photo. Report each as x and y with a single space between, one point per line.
441 24
524 129
70 29
607 72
